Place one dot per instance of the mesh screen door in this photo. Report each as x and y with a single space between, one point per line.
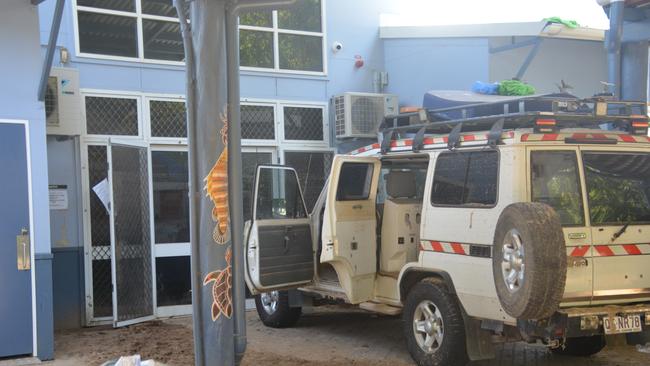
131 239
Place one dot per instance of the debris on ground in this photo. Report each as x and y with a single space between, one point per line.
643 348
134 360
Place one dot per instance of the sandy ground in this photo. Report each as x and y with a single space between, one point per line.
326 337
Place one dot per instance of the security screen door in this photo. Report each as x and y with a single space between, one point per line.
131 249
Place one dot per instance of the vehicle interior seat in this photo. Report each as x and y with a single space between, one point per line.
400 228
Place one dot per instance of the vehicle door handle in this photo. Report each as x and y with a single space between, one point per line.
357 207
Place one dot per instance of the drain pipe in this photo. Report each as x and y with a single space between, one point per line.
613 44
235 164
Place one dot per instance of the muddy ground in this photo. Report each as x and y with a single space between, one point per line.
326 337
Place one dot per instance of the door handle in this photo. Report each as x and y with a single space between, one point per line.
23 251
357 207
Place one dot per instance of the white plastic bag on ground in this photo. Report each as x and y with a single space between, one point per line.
642 348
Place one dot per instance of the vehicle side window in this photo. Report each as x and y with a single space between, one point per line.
354 182
466 179
278 195
556 182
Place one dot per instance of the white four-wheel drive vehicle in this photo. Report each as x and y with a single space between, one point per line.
520 220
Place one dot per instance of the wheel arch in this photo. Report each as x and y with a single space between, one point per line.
412 274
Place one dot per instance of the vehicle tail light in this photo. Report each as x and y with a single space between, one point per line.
647 318
639 127
545 125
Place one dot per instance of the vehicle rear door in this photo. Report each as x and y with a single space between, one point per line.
350 224
618 187
279 250
556 179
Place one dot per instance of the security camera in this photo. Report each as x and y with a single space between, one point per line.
337 46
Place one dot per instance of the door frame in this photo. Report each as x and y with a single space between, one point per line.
26 125
152 254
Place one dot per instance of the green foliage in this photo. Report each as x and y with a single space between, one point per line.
304 15
257 18
567 200
299 52
614 200
256 48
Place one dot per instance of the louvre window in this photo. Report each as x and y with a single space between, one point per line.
111 28
289 39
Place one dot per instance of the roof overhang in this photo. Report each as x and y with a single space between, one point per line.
523 29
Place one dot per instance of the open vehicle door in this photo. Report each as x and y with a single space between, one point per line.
130 224
280 250
350 224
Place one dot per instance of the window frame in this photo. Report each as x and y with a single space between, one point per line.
581 178
280 141
471 205
586 201
138 15
146 122
276 30
369 175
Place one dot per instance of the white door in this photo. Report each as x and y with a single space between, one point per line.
280 250
350 224
130 225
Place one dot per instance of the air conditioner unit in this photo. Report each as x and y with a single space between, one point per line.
63 102
360 114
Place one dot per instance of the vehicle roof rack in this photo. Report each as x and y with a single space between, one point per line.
544 114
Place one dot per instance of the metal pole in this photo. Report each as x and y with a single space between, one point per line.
51 46
235 184
613 45
194 181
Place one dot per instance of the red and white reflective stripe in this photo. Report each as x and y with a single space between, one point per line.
444 247
539 137
429 142
609 250
374 146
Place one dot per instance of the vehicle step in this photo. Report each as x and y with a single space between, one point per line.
380 308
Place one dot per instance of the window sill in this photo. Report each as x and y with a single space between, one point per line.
284 74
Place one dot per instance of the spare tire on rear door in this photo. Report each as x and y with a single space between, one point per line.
529 260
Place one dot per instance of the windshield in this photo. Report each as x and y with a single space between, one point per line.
618 186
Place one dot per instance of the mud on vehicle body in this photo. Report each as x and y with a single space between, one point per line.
530 223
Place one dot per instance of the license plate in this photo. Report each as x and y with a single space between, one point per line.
622 324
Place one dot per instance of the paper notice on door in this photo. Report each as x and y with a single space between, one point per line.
102 192
58 197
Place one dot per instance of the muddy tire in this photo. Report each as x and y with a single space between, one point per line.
274 310
581 346
433 326
529 260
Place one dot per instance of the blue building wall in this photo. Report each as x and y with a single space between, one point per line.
353 23
21 64
416 66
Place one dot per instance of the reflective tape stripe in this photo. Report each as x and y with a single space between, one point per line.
610 250
447 247
536 137
579 251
